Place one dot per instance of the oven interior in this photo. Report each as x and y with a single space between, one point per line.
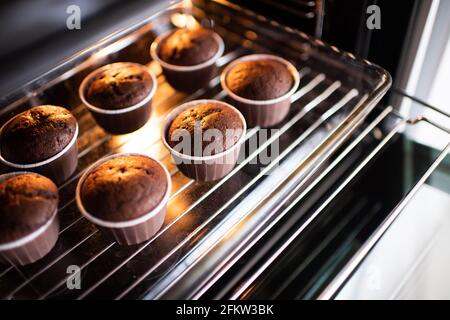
315 207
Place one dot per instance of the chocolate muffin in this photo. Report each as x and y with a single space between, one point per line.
186 47
27 202
262 79
195 121
37 134
120 86
123 188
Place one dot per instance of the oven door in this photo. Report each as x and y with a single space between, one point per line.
384 197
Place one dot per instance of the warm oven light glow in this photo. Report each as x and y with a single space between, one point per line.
183 20
187 4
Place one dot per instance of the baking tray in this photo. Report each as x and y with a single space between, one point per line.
207 224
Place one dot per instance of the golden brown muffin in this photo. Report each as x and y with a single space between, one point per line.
186 47
27 202
124 188
119 86
260 79
195 121
37 134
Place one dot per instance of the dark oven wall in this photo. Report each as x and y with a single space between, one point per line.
35 37
343 24
38 39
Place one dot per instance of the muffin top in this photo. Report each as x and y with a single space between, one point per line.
124 188
37 134
27 202
188 47
262 79
194 123
119 86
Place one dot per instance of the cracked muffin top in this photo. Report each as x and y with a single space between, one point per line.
262 79
124 188
27 202
37 134
119 86
188 47
217 126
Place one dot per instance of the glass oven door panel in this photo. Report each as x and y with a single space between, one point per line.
316 256
411 261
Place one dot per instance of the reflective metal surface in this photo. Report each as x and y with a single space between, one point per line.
418 243
407 203
208 225
317 250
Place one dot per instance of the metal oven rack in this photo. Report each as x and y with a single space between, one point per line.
386 127
402 123
309 13
208 225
